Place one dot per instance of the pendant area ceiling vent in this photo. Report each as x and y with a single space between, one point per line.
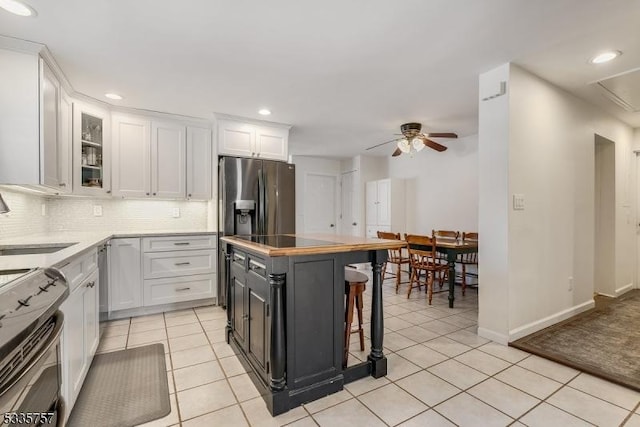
623 89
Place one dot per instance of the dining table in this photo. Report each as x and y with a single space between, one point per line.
452 248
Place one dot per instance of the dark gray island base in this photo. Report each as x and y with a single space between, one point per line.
286 313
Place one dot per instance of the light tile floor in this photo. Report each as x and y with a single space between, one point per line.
441 373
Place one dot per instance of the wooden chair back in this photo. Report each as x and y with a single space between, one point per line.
469 258
445 234
419 255
394 254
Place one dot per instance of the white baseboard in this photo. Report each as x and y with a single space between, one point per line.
493 336
525 330
624 289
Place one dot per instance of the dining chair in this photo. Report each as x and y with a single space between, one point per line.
423 260
442 257
468 259
396 256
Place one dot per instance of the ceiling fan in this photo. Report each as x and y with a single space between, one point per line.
414 140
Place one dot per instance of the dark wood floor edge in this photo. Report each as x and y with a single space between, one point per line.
623 381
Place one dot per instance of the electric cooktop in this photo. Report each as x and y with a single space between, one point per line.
284 241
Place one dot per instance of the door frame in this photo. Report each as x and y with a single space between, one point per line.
336 197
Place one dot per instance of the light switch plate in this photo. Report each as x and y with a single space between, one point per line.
97 210
176 212
518 202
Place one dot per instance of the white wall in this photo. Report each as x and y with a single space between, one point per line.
550 148
441 189
318 165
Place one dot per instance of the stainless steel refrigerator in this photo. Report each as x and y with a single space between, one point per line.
255 197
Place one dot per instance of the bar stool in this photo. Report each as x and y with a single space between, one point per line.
354 287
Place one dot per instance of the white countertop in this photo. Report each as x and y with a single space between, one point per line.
83 241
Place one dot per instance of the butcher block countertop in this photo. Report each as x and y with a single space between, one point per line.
309 244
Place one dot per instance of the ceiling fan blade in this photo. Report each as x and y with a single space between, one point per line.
396 153
441 135
432 144
383 143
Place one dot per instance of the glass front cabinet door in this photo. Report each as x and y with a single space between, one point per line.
91 150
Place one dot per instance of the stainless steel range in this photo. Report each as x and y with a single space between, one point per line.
30 328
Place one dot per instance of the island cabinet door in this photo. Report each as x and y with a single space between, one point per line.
238 318
258 295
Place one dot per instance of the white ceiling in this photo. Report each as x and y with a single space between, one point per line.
345 74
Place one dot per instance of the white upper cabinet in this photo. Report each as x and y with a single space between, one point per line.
131 176
236 138
91 150
168 160
160 159
65 143
33 120
272 142
199 163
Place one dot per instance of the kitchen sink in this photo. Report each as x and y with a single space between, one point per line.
33 249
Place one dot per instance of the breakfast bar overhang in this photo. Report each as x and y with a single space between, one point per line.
286 312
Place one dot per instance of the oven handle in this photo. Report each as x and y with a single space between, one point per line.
53 339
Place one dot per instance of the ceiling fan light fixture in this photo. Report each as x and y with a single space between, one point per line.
404 146
417 144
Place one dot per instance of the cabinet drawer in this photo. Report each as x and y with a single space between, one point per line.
178 243
170 290
170 264
257 266
79 268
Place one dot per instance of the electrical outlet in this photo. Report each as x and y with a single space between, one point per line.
176 212
43 209
570 283
518 202
97 210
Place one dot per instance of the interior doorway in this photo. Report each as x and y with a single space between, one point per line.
320 203
604 209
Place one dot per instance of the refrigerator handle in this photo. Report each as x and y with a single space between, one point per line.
261 201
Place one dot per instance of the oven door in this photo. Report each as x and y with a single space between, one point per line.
31 397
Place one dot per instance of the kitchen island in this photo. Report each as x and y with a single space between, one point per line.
286 312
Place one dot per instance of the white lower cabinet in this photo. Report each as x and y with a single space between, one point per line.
81 332
125 274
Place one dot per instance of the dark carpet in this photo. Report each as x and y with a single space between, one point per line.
604 341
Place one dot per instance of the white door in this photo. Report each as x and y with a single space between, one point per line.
199 163
371 203
65 143
320 203
73 344
91 317
131 157
349 221
384 202
168 160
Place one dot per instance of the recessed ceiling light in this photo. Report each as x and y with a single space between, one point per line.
605 56
17 7
111 95
264 112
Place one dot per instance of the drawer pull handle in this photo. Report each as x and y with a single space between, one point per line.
183 263
183 289
181 243
256 265
238 257
91 284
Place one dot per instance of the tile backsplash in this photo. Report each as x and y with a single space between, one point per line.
77 214
25 216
